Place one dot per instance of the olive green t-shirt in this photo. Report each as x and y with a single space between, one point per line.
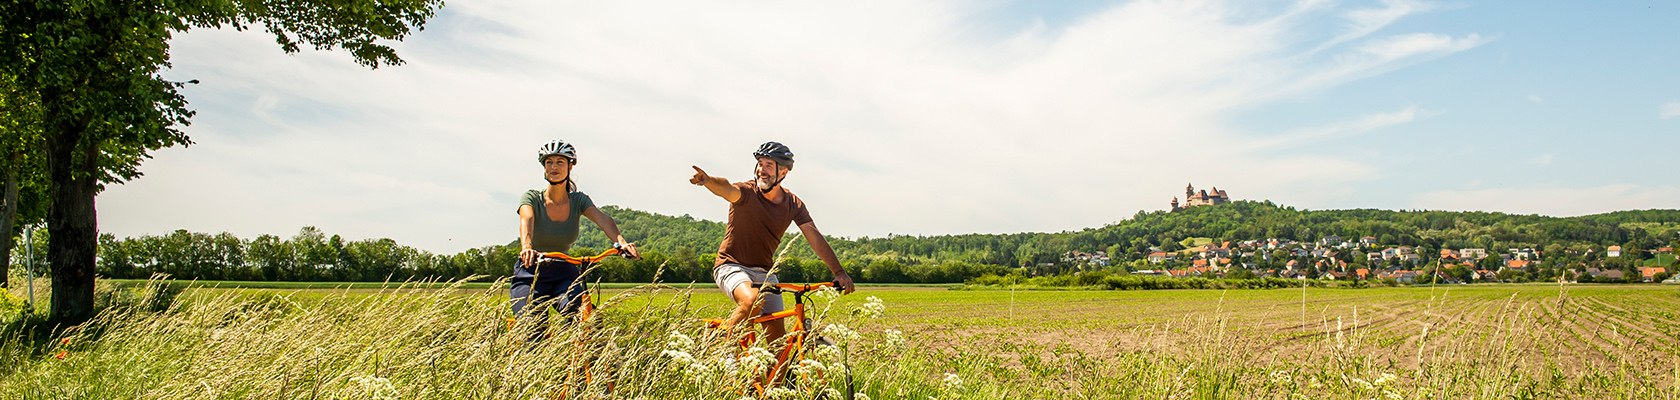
549 235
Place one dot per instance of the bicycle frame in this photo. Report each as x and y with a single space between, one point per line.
794 346
585 310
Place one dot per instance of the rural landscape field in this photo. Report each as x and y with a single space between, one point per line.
1481 341
1108 199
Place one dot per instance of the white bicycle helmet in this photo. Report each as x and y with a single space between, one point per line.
557 147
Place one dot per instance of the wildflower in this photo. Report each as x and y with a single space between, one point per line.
757 358
831 393
826 352
841 333
679 356
1385 378
826 293
779 393
859 396
872 307
677 340
808 367
1279 377
377 387
62 354
64 342
895 338
952 380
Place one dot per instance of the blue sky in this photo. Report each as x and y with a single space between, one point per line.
929 117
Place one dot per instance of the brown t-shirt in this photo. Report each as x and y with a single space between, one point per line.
756 226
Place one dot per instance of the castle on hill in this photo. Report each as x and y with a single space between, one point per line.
1194 198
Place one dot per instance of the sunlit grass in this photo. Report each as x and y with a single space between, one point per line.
1528 341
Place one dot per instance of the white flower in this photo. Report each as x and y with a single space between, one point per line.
872 307
826 293
756 359
681 357
376 387
859 396
1385 378
808 367
841 333
831 393
677 340
780 393
830 353
895 338
952 380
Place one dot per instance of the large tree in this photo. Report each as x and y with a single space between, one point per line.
23 181
94 67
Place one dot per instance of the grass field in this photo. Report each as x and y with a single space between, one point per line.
1508 341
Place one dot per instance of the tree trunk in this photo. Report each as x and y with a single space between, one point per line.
8 215
71 223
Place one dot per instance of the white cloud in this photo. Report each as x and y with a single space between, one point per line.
1543 159
1357 126
1363 22
1669 110
908 117
1555 200
1536 99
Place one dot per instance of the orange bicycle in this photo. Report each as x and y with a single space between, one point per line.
581 304
799 337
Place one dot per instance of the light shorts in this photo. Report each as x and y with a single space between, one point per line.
730 275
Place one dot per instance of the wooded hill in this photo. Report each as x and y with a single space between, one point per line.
686 246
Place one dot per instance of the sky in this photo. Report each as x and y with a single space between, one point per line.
927 117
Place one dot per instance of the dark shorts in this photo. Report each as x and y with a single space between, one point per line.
552 284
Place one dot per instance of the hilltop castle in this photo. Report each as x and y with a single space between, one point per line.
1193 198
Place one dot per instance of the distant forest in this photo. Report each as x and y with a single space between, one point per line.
685 246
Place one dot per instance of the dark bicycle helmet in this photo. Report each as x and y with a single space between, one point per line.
775 151
557 147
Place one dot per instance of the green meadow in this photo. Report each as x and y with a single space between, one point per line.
453 341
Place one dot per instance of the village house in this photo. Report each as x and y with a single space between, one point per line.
1517 265
1472 254
1613 251
1407 253
1331 240
1649 274
1368 241
1606 274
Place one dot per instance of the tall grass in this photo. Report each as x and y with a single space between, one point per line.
408 342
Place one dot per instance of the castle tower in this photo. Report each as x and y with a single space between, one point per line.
1189 190
1175 203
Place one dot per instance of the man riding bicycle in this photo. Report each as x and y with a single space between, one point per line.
548 222
759 213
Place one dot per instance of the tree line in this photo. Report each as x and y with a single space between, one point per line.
682 248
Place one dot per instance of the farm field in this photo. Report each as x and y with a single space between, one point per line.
1502 341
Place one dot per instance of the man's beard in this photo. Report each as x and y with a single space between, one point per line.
764 183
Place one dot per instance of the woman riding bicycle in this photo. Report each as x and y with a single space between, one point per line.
548 222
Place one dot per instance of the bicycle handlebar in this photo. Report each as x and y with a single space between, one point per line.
798 287
616 250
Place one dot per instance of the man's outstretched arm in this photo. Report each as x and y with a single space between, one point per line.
717 185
